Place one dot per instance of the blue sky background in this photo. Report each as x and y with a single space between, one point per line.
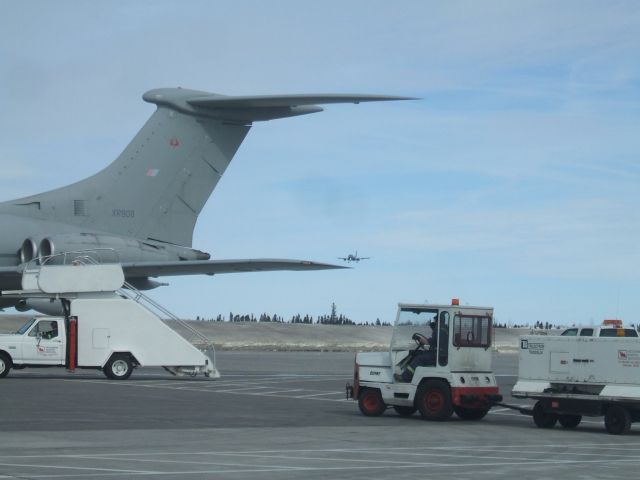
512 183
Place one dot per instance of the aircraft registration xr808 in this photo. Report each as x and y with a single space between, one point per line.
144 206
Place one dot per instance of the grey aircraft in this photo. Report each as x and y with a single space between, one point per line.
143 207
353 257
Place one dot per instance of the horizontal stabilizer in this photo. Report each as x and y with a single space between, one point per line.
249 109
266 101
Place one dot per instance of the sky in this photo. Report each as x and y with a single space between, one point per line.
512 182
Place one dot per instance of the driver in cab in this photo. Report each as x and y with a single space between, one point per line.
50 332
422 356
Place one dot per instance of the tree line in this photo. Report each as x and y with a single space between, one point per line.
331 319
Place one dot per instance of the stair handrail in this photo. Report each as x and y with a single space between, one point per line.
84 257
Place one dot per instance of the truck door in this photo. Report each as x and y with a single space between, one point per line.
44 343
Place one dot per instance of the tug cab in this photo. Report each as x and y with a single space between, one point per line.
438 363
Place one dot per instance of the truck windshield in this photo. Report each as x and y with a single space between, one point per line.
471 331
26 326
570 332
412 321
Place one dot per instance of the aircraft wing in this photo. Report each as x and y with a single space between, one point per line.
214 267
11 277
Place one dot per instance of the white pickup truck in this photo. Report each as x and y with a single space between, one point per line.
609 328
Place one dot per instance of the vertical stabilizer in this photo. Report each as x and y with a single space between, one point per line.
159 184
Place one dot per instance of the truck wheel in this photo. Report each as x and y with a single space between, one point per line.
471 413
569 421
433 400
542 418
404 411
617 420
371 403
5 364
118 367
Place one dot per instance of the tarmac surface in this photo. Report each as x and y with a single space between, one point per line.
275 415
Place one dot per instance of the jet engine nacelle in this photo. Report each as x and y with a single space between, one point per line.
47 306
111 248
29 250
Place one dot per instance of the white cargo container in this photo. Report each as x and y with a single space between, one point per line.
575 376
102 329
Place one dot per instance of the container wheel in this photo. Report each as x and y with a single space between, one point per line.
370 402
404 411
5 364
471 413
542 418
433 400
617 420
569 421
119 367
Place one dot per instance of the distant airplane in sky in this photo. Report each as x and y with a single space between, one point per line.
142 209
353 257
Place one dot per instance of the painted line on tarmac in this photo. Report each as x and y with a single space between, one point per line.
413 465
292 397
278 381
208 383
319 394
336 459
509 414
284 391
547 452
333 459
307 378
188 462
62 467
286 375
192 388
249 390
214 387
630 446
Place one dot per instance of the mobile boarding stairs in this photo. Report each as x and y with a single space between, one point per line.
98 295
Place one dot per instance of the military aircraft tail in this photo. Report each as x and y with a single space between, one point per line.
159 184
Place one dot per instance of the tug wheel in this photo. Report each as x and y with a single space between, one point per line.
433 400
470 413
370 402
569 421
542 418
617 420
